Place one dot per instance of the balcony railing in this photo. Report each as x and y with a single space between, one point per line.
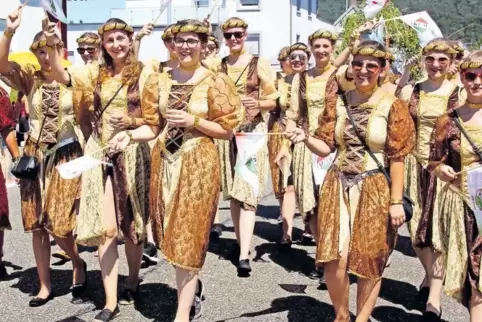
141 16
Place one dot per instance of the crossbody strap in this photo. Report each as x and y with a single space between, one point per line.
462 130
109 102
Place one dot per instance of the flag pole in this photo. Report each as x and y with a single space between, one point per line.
25 3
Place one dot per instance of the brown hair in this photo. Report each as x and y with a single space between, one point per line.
132 69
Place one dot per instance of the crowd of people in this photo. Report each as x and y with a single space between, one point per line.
166 129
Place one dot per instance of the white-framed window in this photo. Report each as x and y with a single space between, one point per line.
249 4
253 44
201 3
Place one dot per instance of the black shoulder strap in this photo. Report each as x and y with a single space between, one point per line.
462 130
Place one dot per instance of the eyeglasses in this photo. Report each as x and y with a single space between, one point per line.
471 77
300 57
237 35
212 48
191 43
441 60
370 67
82 50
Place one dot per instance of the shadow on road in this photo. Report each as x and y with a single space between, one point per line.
400 293
157 302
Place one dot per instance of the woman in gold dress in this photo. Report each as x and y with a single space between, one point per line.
451 152
359 212
298 56
49 203
114 198
89 47
428 100
195 107
255 83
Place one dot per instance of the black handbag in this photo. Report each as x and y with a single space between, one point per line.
407 202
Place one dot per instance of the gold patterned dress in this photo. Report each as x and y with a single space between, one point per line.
355 197
184 195
48 201
130 172
463 241
424 109
310 95
257 80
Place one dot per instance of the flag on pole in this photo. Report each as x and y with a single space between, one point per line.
377 33
248 145
424 25
54 7
373 7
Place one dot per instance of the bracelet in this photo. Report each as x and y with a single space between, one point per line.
133 121
396 202
8 34
196 121
129 134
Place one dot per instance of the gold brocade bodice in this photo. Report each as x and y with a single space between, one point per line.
284 89
315 97
468 157
119 103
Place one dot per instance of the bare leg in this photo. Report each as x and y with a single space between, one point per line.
150 235
423 255
186 290
108 255
235 214
41 250
476 306
216 218
313 223
338 285
436 277
134 259
69 246
367 294
288 208
246 229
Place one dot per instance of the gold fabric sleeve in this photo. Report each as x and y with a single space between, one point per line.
21 77
344 83
293 111
212 63
438 144
327 123
268 80
224 103
406 93
150 100
401 131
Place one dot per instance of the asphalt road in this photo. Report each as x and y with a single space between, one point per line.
278 289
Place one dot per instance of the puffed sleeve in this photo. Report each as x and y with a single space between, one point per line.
293 111
455 100
439 149
212 63
405 94
400 131
268 80
150 100
331 91
21 77
345 83
327 123
224 103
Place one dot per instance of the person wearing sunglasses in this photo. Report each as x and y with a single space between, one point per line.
89 47
297 56
255 82
49 203
428 100
451 156
359 211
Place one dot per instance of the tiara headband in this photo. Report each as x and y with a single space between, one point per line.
299 46
115 26
214 40
234 23
471 64
43 43
88 41
283 53
439 46
189 28
323 34
167 34
369 51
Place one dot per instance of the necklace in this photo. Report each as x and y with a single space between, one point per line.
323 69
190 68
473 105
367 93
47 73
238 53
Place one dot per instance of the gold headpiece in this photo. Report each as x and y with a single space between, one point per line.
323 34
189 28
369 51
167 34
115 26
439 45
391 56
283 53
214 40
298 46
88 41
234 23
43 43
468 63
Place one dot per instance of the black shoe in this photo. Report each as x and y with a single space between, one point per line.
106 315
78 290
216 232
150 254
196 309
314 275
3 271
128 296
306 239
285 245
38 301
200 290
244 268
321 275
429 316
423 294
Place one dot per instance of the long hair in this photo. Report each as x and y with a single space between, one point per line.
133 67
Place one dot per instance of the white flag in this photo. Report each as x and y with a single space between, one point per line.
320 166
54 7
248 145
76 167
424 25
373 7
474 183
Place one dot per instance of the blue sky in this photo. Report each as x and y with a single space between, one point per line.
92 11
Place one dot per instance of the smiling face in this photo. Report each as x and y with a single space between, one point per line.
117 43
472 80
298 60
211 49
366 70
188 48
89 53
235 38
43 57
437 64
322 49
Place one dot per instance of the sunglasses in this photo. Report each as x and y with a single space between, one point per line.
237 35
82 50
370 67
191 43
442 60
300 57
470 77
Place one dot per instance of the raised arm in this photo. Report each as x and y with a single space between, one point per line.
145 31
59 73
12 24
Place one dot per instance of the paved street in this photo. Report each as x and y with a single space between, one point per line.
278 289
